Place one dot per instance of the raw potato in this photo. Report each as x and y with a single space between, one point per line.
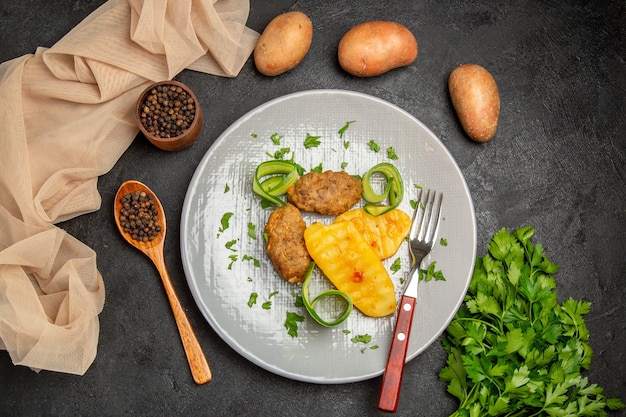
475 98
352 266
384 233
284 43
373 48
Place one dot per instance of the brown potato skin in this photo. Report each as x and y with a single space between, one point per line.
476 100
284 43
373 48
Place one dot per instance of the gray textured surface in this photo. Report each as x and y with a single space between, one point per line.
557 163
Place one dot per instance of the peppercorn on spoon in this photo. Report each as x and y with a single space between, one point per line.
154 250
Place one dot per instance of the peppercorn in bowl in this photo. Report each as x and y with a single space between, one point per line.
169 115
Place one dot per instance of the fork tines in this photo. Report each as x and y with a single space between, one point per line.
426 217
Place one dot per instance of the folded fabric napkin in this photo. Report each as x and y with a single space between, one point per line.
67 118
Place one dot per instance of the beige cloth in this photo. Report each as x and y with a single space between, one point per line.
67 117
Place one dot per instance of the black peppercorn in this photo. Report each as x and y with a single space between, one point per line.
163 107
138 216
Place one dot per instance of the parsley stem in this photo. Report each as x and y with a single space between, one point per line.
479 321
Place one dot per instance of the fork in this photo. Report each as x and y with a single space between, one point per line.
421 240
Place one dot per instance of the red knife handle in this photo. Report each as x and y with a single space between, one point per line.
392 378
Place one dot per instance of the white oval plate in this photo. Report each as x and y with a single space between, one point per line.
219 259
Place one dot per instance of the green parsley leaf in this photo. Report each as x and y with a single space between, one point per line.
344 128
233 259
311 141
226 188
443 242
291 323
391 154
373 145
431 273
276 138
252 299
252 230
298 302
225 221
396 265
512 348
317 168
279 154
299 168
255 261
362 338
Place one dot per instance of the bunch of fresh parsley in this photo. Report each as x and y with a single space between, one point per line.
513 349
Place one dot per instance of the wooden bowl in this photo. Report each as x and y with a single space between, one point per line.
178 140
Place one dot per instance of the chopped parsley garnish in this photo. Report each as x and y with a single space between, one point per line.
431 273
291 323
391 154
298 302
346 144
276 138
362 338
299 168
226 188
343 166
443 242
317 168
229 245
225 221
252 230
255 261
233 259
373 146
396 265
279 154
311 141
344 128
252 299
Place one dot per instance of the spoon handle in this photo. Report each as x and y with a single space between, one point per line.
195 356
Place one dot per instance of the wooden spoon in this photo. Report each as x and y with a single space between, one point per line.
154 250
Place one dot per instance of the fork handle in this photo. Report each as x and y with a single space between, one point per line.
392 378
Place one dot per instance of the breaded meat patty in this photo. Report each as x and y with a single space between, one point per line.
326 193
285 243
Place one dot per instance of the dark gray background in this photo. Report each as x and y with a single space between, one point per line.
557 163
